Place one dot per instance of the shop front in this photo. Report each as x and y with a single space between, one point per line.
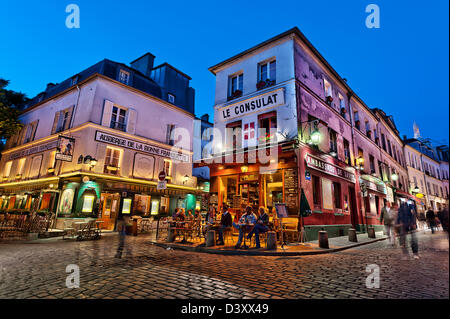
374 198
330 189
107 200
252 184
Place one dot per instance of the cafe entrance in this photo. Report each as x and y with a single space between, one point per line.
109 210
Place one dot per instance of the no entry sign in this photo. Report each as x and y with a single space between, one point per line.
162 176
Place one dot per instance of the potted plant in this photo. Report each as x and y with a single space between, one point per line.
329 99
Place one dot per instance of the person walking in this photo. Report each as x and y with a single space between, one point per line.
408 225
430 219
387 216
443 218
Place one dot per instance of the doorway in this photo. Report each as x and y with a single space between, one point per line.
110 204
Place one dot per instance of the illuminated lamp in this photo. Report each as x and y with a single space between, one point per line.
315 137
244 169
394 177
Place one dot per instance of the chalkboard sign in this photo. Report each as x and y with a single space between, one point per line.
281 210
291 188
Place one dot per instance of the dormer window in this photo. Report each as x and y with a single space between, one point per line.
124 77
171 98
74 80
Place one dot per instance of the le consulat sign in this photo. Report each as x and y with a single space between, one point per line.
254 104
138 146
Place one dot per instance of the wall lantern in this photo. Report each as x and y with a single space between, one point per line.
416 189
394 177
244 169
315 137
185 179
360 161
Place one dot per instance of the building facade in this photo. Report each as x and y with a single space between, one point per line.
95 144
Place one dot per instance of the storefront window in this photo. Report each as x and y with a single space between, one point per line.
273 188
316 190
88 203
337 195
267 127
230 196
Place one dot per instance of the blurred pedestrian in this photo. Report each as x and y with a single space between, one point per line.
431 219
408 225
388 218
443 218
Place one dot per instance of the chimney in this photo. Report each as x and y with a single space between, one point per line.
404 137
144 64
205 117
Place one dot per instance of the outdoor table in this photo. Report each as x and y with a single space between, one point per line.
182 229
246 228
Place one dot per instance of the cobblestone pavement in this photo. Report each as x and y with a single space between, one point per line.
38 270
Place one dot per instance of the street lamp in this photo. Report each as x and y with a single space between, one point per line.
185 179
394 177
416 189
315 137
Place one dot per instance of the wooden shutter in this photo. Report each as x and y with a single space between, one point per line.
69 117
33 133
107 112
21 135
131 122
55 123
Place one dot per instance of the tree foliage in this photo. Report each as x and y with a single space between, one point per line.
10 102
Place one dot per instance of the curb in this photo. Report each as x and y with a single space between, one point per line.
201 249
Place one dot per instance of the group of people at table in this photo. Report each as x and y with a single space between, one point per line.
249 222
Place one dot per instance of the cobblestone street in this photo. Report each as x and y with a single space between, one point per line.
38 270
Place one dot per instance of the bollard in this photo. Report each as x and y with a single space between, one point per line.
271 240
371 232
210 238
352 235
171 235
323 239
134 230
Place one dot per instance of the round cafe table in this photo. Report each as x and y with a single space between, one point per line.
246 228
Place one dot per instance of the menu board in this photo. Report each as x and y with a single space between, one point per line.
291 187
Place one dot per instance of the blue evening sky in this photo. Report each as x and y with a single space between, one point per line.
403 67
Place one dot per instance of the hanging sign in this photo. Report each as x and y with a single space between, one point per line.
161 185
318 164
307 175
64 150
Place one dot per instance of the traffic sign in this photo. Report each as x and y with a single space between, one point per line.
162 176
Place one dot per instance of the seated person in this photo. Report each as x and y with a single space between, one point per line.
248 218
261 226
180 216
225 222
210 215
175 213
189 215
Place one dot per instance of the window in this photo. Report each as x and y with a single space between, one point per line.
234 135
235 86
389 147
372 164
171 98
368 131
21 166
327 87
7 169
394 151
249 131
112 160
170 134
74 80
333 142
267 126
347 152
316 190
30 132
356 118
63 121
118 118
375 135
383 141
168 167
266 74
124 77
381 171
337 195
341 102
